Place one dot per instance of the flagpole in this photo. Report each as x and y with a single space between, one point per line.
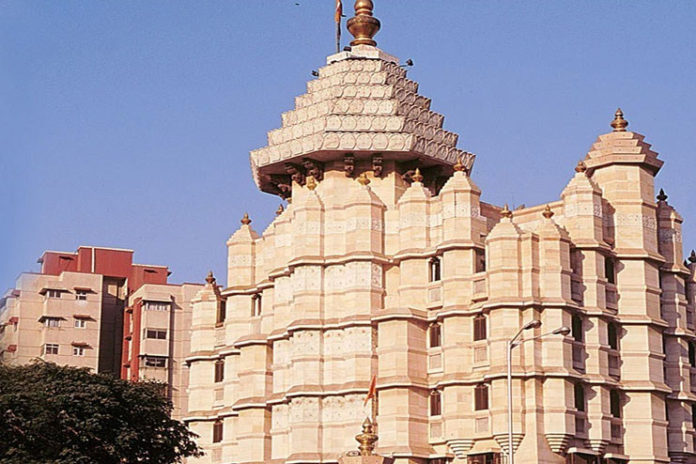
338 35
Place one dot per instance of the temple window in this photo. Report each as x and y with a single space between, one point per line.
435 270
435 335
480 328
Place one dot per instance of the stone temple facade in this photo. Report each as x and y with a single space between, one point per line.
386 264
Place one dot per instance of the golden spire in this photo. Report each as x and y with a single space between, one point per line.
619 123
245 220
367 438
417 177
210 278
458 166
363 25
363 179
505 212
548 214
311 182
280 210
581 167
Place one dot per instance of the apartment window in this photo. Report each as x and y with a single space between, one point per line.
435 403
219 370
435 270
156 306
480 260
615 403
256 303
50 348
80 323
78 351
156 334
480 329
435 335
155 361
692 354
579 391
222 311
52 322
81 295
610 270
576 326
217 431
481 397
52 293
613 336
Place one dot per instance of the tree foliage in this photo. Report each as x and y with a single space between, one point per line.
65 415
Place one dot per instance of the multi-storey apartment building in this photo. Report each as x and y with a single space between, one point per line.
95 308
156 338
72 311
387 263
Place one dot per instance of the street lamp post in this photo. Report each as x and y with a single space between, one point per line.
511 344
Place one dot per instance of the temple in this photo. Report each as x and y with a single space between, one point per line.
385 263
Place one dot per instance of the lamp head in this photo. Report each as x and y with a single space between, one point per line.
535 324
561 331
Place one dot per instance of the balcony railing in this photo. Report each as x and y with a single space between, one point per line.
578 356
614 367
616 430
580 423
576 289
611 296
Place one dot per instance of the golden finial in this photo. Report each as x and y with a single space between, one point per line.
245 220
458 166
280 210
367 438
580 167
505 212
619 123
417 177
548 214
662 196
210 278
311 183
363 25
363 179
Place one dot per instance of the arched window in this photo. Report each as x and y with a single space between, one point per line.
256 305
435 337
579 390
480 328
615 403
435 271
435 403
217 431
219 370
613 336
481 397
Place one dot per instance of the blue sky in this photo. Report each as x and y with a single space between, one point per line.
129 123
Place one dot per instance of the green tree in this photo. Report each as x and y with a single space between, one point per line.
65 415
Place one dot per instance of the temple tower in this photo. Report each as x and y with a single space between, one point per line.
386 264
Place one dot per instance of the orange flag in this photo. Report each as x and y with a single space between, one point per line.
372 390
339 10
